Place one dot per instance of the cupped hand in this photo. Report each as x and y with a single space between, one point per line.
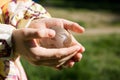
26 45
68 25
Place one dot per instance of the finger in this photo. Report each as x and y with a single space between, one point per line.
64 23
82 49
67 57
57 53
72 58
77 57
46 33
52 22
30 33
70 63
50 63
75 42
73 26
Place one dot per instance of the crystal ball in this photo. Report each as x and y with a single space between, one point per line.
62 39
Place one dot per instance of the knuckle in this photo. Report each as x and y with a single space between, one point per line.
24 33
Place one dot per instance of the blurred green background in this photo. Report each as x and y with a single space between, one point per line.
101 60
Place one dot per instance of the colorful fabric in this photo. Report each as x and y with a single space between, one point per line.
6 73
5 40
15 14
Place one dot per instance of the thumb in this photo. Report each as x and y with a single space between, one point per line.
30 33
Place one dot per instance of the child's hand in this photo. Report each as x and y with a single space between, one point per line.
26 45
69 25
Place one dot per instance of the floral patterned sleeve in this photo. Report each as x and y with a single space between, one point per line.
21 13
17 14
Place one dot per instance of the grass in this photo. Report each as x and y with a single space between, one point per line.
101 61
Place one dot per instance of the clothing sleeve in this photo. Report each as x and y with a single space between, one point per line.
20 14
5 38
17 14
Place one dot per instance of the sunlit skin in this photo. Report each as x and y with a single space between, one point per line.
27 46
